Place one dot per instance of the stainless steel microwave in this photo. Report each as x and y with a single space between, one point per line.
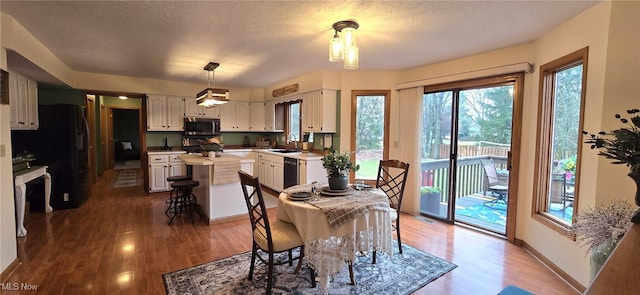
201 126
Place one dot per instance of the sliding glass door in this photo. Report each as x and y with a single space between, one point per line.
466 149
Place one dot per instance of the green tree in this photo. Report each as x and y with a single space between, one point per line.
436 114
369 122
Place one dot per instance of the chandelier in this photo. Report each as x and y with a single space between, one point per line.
342 47
212 96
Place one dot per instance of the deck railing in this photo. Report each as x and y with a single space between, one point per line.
470 174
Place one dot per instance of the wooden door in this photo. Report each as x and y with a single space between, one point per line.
91 120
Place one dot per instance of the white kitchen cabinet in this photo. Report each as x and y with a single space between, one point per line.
165 113
271 171
310 171
192 109
235 116
272 113
278 176
161 166
319 111
256 118
23 99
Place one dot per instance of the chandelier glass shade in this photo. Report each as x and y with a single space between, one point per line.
342 47
211 96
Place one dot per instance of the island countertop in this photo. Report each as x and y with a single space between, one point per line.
199 160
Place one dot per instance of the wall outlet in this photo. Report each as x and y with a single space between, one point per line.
66 197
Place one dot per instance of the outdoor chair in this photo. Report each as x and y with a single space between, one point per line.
274 237
392 176
495 183
560 192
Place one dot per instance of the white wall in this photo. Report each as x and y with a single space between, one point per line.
8 248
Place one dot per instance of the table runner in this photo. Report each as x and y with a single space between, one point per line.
340 210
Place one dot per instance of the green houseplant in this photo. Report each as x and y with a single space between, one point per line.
338 166
623 147
430 199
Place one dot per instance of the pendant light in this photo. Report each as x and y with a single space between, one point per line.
212 96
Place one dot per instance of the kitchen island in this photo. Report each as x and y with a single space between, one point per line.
219 192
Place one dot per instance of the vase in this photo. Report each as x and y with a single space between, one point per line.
338 182
636 177
599 256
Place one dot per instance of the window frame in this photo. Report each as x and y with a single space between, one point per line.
544 138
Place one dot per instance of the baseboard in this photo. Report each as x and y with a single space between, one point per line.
552 266
228 218
9 270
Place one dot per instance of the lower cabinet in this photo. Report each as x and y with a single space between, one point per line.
310 171
161 166
271 171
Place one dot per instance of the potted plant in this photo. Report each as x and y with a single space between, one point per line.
623 146
213 144
601 229
430 199
338 166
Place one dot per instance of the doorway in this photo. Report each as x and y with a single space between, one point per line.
466 169
124 137
369 132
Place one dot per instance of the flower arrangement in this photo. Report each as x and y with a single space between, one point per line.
336 163
595 226
622 145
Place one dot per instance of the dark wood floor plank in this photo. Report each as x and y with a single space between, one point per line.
119 242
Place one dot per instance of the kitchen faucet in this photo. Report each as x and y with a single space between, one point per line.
295 143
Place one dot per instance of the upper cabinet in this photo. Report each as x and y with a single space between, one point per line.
319 111
165 113
257 113
23 98
235 116
273 116
192 109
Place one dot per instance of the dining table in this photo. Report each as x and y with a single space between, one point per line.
336 226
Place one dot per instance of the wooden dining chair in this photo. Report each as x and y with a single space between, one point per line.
270 237
392 176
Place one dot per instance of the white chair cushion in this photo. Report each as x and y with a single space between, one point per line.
394 214
285 236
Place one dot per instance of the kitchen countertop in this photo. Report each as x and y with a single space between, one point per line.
199 160
161 152
296 155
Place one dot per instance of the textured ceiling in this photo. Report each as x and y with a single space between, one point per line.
261 43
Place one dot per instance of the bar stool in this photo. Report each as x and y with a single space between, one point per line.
171 201
185 201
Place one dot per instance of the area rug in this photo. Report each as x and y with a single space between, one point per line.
497 214
400 274
126 178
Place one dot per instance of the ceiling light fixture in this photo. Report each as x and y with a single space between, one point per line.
122 97
212 96
342 47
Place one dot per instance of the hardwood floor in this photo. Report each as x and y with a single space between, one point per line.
119 242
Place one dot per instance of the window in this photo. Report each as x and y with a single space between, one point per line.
562 90
294 119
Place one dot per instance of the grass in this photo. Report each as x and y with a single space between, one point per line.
368 168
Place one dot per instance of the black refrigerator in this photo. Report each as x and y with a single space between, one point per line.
62 143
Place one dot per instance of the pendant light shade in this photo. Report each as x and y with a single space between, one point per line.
342 47
211 96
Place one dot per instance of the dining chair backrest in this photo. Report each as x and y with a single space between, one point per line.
255 206
392 176
490 171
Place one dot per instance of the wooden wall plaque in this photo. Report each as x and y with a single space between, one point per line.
285 90
4 87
